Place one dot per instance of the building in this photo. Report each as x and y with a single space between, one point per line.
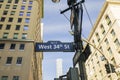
20 29
105 36
59 68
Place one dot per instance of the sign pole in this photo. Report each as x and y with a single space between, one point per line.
76 26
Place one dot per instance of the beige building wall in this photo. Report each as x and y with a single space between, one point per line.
20 29
105 36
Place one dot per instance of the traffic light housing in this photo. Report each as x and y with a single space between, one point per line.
87 52
109 68
73 74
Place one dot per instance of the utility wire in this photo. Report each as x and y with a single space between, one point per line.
88 15
86 12
65 16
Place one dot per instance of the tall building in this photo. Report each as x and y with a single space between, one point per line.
105 36
59 68
20 29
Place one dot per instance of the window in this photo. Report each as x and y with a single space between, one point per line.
16 1
1 0
117 43
27 20
2 45
101 73
23 1
14 6
24 35
4 78
12 13
113 61
12 46
2 19
29 7
113 33
106 41
21 13
10 20
15 78
8 27
119 51
9 60
30 2
101 48
94 69
93 42
102 29
0 5
9 1
98 37
7 7
108 20
110 78
5 35
109 50
1 26
15 36
25 27
22 46
22 7
98 63
92 61
19 60
5 12
19 20
17 27
28 14
102 57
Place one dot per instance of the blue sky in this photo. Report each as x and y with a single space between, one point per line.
56 28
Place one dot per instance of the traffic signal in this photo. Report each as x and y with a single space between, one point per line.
107 68
73 74
86 53
110 68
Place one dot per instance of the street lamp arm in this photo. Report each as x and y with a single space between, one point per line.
85 40
110 65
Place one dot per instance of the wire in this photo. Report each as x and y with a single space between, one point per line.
88 15
84 36
86 12
65 16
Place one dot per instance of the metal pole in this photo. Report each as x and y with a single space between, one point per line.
76 25
78 16
83 75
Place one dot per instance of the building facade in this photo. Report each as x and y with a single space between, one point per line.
20 29
59 68
105 36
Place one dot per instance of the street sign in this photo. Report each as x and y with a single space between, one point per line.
54 46
82 55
